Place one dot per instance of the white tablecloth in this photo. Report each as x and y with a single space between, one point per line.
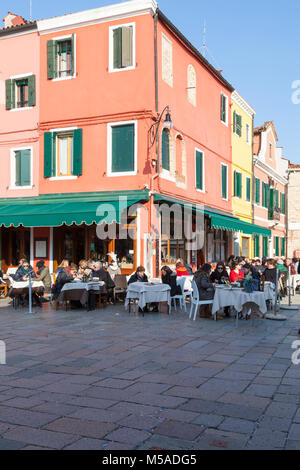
25 284
83 286
269 291
295 280
226 297
147 294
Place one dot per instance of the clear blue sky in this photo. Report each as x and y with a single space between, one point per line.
257 45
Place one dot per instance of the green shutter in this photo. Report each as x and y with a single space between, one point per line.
238 185
127 46
276 198
18 168
77 152
51 59
48 155
25 168
276 246
9 97
248 195
283 247
165 147
223 108
31 91
265 246
117 38
234 122
199 170
73 54
224 182
271 203
256 246
257 190
123 148
283 203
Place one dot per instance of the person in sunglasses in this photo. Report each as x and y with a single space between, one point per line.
220 274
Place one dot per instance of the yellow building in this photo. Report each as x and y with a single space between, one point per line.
242 171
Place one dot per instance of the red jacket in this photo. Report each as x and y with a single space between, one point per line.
234 277
182 271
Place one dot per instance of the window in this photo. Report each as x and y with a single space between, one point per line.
276 246
224 170
20 92
237 124
61 58
21 168
248 134
283 210
122 158
265 195
237 184
122 51
248 190
192 85
283 247
224 109
63 153
167 60
199 170
257 191
257 246
165 150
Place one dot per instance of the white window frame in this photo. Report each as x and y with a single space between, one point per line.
13 168
111 48
227 101
203 170
63 130
225 165
19 77
110 125
62 38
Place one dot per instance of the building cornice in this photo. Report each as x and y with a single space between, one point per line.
263 166
239 100
97 15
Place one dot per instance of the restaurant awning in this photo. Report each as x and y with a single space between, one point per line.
58 209
219 221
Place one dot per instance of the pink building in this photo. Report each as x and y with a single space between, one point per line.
270 189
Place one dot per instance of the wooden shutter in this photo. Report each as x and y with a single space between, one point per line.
25 167
9 97
276 246
248 195
276 198
199 170
18 168
127 46
271 204
257 247
51 59
49 154
117 38
165 147
283 203
73 54
224 182
257 190
31 91
239 185
223 108
239 125
265 247
77 152
123 138
283 247
234 122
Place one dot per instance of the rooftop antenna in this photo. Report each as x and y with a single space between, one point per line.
204 40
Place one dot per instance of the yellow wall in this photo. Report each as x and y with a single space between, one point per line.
242 162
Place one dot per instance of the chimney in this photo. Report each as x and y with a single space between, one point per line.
12 20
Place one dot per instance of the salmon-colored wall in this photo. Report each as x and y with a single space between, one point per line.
97 97
19 128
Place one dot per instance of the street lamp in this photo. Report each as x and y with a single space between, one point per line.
168 124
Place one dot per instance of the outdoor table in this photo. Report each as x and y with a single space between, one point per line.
147 293
295 279
80 291
237 298
18 288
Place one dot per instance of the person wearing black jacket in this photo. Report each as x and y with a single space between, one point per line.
220 274
170 278
99 272
138 276
62 279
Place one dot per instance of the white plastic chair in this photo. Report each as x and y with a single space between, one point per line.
180 297
196 302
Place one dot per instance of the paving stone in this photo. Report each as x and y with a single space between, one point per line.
279 424
86 444
157 400
267 440
209 420
40 437
238 411
7 444
25 417
178 415
243 399
157 441
179 430
294 433
281 410
292 445
146 423
20 402
81 427
93 414
237 425
266 391
128 435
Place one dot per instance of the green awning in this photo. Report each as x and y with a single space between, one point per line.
219 221
56 210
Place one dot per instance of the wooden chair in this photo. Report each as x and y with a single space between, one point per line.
3 289
120 281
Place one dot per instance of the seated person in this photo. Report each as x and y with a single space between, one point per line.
250 271
22 273
63 277
138 276
206 288
270 271
113 269
220 274
236 273
99 272
44 275
181 270
64 265
169 277
83 264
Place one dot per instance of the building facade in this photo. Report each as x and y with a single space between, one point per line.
293 211
270 190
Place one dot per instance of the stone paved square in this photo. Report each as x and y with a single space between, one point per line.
107 380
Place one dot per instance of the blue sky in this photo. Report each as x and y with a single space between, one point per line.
256 44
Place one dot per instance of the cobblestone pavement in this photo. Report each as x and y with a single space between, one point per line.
106 380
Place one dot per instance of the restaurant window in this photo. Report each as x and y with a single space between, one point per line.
20 93
61 58
63 153
245 247
125 247
171 251
122 49
217 246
